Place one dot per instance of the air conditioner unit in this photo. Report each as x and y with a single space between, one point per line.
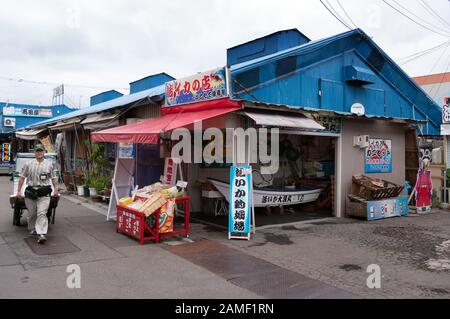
9 122
361 141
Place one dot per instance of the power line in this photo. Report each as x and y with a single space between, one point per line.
420 19
442 79
439 59
338 14
67 85
416 22
430 9
343 23
345 12
420 54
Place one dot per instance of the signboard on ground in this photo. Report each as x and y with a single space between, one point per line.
197 88
240 202
387 208
122 184
378 156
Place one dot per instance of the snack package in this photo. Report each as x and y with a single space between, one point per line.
125 201
153 203
166 218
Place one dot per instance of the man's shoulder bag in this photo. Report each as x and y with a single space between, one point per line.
36 192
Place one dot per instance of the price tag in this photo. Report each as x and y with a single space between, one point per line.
182 184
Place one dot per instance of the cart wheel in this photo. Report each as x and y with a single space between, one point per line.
17 215
51 215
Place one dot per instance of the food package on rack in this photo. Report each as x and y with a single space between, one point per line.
166 218
125 201
137 204
153 203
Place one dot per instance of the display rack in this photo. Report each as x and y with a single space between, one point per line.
136 225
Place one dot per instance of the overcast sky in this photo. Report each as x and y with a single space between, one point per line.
109 43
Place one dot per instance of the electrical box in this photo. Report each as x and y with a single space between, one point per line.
361 141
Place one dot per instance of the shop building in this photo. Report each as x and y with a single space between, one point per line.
437 150
338 102
70 133
17 116
351 76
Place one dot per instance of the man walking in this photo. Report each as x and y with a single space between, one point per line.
40 175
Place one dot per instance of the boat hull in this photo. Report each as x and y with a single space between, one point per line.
273 197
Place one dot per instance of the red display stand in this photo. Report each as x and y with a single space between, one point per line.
132 223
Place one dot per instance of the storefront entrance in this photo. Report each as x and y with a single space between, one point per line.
307 170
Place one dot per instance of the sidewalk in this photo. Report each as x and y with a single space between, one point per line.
320 259
112 265
115 266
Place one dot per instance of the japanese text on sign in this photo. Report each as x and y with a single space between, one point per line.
331 124
240 192
201 87
378 156
19 111
6 152
129 223
446 110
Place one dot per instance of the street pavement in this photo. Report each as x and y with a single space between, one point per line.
325 259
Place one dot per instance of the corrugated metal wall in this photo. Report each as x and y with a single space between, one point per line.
145 111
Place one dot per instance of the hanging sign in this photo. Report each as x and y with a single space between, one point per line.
125 150
240 200
378 156
24 111
331 124
446 110
170 171
200 87
6 152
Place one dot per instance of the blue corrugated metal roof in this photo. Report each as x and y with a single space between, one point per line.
374 56
304 48
108 105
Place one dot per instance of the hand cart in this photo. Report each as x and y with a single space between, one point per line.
18 205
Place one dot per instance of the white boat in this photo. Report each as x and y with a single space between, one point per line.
271 197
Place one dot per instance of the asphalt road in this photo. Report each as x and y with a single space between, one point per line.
325 259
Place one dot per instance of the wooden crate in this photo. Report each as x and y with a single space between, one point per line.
374 189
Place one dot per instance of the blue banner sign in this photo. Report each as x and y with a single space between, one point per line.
387 208
240 200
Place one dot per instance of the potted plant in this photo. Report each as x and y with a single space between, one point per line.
98 184
92 188
80 184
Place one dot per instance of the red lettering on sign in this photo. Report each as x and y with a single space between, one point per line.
187 87
177 88
196 85
170 90
206 83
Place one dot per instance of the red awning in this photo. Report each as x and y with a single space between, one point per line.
148 131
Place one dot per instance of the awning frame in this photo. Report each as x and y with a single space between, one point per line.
29 135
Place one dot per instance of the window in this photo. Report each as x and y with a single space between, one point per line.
247 79
286 65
